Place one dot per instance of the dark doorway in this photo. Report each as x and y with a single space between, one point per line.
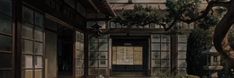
138 65
65 52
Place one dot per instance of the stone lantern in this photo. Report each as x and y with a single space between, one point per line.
213 63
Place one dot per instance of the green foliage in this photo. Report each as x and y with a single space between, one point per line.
177 10
183 8
139 16
207 22
199 43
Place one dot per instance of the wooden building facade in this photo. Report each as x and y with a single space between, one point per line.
46 38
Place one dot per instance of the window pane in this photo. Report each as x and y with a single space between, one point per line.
155 55
93 40
38 48
103 47
165 63
5 24
38 73
79 73
28 59
165 55
6 7
165 46
165 38
6 74
182 38
27 46
182 46
182 70
191 26
5 43
152 25
27 15
38 62
93 47
103 40
79 63
38 35
181 55
82 46
93 63
93 55
155 46
39 20
6 60
156 38
27 31
112 25
182 63
157 26
28 74
103 55
165 69
118 25
155 63
103 63
155 71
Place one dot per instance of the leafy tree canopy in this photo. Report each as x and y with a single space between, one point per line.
177 11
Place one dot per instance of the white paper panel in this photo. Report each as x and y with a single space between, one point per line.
28 61
38 62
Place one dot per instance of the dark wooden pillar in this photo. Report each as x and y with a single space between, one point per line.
86 58
17 16
174 53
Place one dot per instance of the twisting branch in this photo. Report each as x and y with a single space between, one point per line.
222 29
169 26
209 7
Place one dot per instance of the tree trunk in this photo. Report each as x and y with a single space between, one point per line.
220 35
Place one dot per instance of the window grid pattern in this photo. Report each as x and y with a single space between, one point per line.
6 52
182 47
160 53
183 25
98 55
152 26
79 56
32 43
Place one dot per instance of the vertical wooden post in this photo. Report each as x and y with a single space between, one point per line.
174 53
17 16
86 58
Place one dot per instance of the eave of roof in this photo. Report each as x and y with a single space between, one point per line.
104 7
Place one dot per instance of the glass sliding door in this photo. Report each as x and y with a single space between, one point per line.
6 52
79 55
160 54
182 48
32 43
98 55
